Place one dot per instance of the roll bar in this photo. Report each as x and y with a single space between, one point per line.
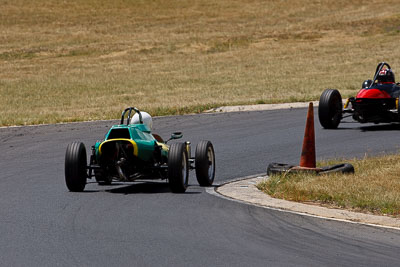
378 69
129 115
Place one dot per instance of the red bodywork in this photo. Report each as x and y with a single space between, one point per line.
372 93
375 104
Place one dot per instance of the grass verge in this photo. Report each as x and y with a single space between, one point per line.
374 188
89 59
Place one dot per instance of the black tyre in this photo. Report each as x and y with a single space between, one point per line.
178 168
75 167
278 168
330 109
205 163
342 168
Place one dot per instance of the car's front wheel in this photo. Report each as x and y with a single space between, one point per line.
330 109
75 167
205 163
178 168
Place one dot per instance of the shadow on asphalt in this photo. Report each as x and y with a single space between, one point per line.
145 188
381 127
368 128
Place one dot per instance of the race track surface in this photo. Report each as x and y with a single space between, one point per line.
144 224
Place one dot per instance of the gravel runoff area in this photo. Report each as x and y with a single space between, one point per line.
245 190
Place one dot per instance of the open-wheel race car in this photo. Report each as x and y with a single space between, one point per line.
376 102
130 152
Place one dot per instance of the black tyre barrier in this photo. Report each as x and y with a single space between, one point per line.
343 168
277 168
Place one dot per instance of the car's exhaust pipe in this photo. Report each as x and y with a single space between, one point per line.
121 173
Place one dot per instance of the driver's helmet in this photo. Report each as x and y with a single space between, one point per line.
386 76
145 117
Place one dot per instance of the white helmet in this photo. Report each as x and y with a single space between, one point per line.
146 118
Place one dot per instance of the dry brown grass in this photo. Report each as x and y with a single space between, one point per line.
89 59
374 188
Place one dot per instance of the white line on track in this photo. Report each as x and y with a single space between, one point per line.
212 191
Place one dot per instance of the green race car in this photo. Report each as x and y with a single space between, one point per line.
130 152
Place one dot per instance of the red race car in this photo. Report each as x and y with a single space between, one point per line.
376 102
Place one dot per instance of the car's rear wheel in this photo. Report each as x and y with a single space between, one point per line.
205 163
178 168
75 167
330 109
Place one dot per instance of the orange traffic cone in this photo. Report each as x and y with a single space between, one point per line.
307 159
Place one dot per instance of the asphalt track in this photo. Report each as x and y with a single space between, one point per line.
143 224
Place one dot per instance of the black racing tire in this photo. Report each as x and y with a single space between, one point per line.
205 163
342 168
75 167
178 168
330 109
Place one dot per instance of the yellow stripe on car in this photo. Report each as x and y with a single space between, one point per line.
164 146
135 147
